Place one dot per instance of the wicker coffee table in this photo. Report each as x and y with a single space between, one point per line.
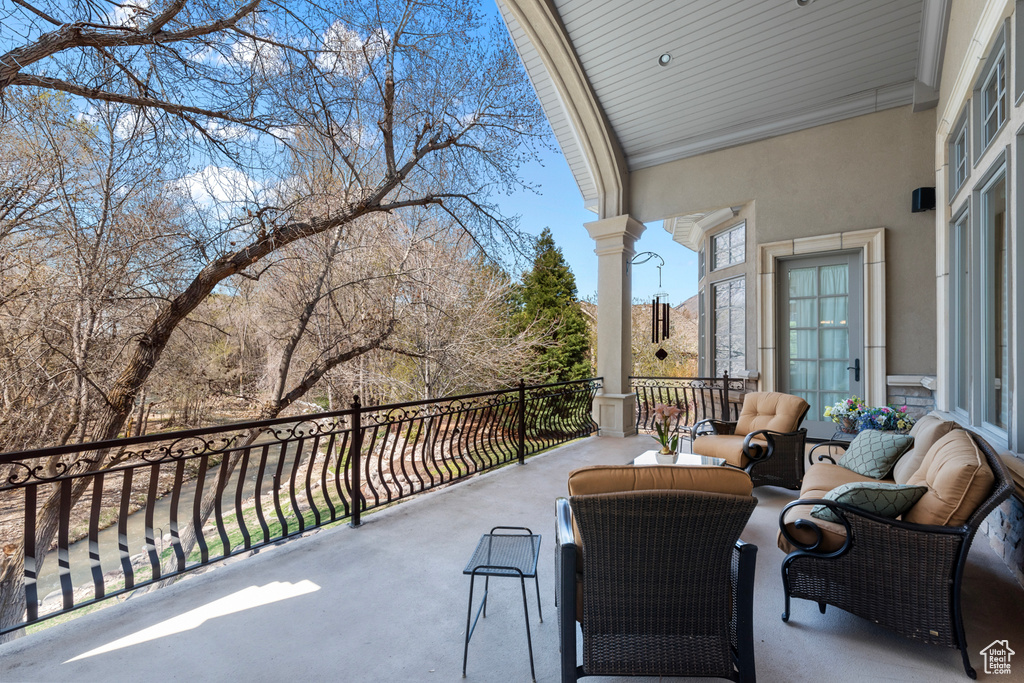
503 555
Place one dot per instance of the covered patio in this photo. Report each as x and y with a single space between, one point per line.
387 602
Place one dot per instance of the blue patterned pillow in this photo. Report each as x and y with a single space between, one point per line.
884 500
873 453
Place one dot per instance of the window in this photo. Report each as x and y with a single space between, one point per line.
990 96
700 264
702 359
981 338
729 301
959 167
729 247
993 101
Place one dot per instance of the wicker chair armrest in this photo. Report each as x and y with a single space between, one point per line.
744 560
822 457
565 586
712 426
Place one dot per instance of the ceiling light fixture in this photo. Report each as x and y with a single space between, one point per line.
804 3
664 59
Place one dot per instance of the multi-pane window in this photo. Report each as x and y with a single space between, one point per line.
993 101
958 158
981 336
729 247
729 301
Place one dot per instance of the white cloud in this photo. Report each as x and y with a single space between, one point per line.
220 187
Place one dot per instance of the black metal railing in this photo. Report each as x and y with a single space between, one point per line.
698 398
171 503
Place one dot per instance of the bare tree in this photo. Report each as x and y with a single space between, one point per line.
403 103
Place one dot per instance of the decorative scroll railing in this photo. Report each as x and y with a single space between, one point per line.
699 398
134 512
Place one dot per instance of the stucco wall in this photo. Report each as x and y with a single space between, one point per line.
851 175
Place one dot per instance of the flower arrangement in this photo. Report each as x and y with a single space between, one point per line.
664 414
847 412
888 418
853 415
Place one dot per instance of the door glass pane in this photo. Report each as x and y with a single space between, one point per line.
834 280
836 378
835 344
961 314
803 375
802 282
803 344
833 311
801 313
997 352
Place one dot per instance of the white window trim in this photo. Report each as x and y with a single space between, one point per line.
871 243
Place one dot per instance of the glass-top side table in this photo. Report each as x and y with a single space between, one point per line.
503 554
685 459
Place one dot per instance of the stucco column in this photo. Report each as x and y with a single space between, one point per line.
614 407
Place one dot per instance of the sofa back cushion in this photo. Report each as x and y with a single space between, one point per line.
615 478
771 410
926 432
958 479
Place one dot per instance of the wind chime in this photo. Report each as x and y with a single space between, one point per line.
660 330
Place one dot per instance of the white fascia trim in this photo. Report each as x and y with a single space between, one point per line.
931 44
845 108
689 230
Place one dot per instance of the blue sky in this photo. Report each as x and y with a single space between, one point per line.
559 206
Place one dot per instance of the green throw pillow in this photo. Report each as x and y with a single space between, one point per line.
884 500
873 453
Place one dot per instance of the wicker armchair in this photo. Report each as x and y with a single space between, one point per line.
665 587
903 576
766 440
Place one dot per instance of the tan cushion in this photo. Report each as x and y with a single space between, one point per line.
926 432
614 478
824 476
958 480
729 447
770 410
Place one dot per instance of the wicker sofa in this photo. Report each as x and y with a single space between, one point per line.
649 562
904 574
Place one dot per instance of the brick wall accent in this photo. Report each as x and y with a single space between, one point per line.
1005 530
918 400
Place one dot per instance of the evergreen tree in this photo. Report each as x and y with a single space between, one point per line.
547 298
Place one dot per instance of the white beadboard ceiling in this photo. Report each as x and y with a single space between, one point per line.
741 70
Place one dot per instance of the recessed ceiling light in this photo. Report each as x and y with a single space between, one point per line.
804 3
664 59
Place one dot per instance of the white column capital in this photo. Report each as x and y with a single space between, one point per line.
615 235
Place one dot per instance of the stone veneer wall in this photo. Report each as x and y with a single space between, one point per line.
1005 530
918 400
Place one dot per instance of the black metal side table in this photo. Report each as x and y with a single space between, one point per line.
510 555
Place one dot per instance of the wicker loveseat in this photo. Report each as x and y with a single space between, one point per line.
904 574
648 560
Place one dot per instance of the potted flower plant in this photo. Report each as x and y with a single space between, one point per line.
667 437
846 413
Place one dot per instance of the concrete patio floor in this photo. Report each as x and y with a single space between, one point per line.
387 602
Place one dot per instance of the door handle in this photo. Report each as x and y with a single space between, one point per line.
856 369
